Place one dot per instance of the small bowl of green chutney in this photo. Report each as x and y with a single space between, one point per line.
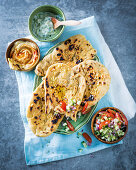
41 26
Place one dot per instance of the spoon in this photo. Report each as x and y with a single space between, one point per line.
57 23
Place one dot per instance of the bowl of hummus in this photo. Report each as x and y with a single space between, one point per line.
23 54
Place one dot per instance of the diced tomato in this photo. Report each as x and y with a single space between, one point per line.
87 137
63 105
117 115
119 124
97 121
124 119
106 122
102 116
111 111
71 127
102 112
108 115
84 108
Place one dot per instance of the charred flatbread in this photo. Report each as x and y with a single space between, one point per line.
97 80
62 85
71 52
40 123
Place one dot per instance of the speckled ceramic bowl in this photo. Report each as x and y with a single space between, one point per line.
52 9
94 119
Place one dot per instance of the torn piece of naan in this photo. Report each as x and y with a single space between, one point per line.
97 80
61 84
71 52
41 124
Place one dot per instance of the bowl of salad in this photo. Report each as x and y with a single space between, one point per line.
109 125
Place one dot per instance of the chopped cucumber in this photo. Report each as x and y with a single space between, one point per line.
64 124
79 114
68 108
55 113
80 150
67 129
79 133
116 127
84 144
101 130
72 102
116 120
105 117
78 102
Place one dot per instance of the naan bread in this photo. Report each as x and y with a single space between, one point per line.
97 80
70 75
41 124
62 85
71 52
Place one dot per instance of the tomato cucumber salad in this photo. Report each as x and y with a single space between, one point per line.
110 125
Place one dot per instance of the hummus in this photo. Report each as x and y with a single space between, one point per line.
23 56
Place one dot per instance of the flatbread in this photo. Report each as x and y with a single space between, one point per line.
40 123
97 80
62 85
71 52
